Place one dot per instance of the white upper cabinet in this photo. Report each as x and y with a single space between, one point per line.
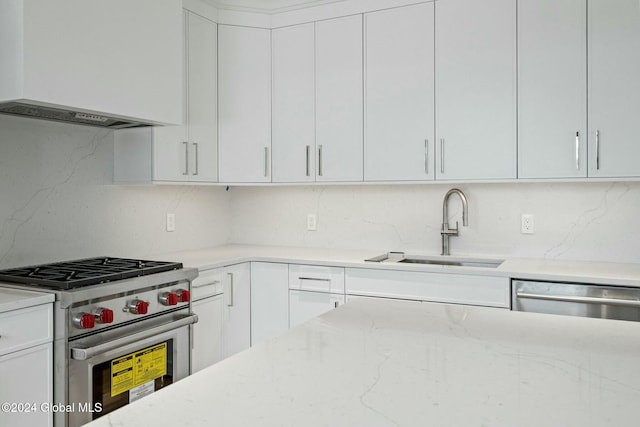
190 152
244 102
187 152
202 98
552 81
339 99
293 104
399 94
118 57
475 89
614 88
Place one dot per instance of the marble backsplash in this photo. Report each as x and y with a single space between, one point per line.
57 200
573 221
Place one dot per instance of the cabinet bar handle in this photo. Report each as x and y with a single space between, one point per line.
441 155
578 150
204 285
186 158
597 150
266 161
335 304
319 279
308 157
195 146
426 156
320 160
230 290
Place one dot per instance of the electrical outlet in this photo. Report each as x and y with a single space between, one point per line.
526 224
171 222
312 222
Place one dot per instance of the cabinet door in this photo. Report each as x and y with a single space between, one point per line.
202 98
187 152
552 81
237 309
244 96
475 89
339 134
269 300
490 291
399 94
305 305
26 377
293 104
614 87
206 347
170 143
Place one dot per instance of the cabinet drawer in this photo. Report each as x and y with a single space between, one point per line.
492 291
208 283
27 327
316 278
305 305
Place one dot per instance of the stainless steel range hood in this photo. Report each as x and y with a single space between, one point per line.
68 116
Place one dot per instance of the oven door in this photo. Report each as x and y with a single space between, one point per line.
108 371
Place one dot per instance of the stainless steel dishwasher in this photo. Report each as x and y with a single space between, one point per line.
576 299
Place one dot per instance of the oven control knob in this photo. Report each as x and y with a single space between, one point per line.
183 295
168 298
84 320
138 307
103 315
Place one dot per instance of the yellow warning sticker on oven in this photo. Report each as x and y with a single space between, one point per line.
138 368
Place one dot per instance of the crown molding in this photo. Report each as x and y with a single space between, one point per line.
269 7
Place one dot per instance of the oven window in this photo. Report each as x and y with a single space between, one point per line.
126 378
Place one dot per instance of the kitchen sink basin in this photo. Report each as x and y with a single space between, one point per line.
483 264
400 257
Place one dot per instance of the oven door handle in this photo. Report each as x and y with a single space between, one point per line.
88 353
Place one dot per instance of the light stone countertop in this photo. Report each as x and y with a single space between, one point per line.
620 274
385 363
14 299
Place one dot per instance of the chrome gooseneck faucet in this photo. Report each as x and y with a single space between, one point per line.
446 231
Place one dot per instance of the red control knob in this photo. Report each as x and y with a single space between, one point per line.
104 315
184 295
138 307
168 298
84 320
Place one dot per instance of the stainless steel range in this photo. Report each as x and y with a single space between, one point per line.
121 330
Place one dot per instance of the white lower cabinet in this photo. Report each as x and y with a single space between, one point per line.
26 367
490 291
221 299
208 304
305 305
313 290
245 304
207 333
237 309
269 300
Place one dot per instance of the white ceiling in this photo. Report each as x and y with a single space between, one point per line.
267 6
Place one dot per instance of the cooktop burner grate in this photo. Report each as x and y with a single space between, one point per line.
85 272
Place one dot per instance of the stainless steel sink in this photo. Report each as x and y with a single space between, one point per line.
400 257
482 264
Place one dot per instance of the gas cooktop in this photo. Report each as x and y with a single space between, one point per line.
85 272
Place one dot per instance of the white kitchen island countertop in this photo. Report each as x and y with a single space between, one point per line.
400 363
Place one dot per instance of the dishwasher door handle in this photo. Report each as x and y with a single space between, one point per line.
579 299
